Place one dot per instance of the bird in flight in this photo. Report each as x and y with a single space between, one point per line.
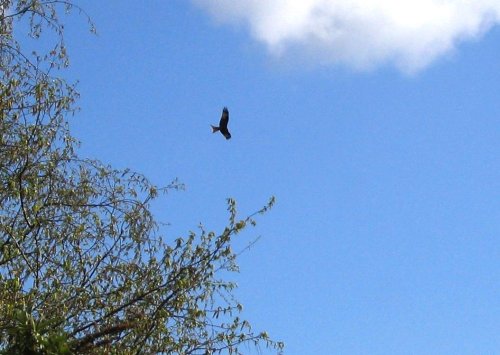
224 119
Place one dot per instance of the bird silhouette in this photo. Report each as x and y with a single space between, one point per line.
224 119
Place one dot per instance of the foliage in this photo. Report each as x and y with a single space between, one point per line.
83 265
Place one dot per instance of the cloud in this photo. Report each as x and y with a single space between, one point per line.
362 34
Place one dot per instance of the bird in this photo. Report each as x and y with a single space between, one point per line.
224 119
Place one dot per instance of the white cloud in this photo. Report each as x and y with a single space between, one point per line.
362 34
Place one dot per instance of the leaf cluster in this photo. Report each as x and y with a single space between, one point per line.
84 266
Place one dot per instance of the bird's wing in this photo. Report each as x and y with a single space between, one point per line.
224 119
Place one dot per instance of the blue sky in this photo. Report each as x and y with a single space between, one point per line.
379 140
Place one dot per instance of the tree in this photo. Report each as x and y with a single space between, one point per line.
84 267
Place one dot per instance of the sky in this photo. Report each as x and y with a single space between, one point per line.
373 123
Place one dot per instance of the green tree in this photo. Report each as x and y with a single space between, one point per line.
84 267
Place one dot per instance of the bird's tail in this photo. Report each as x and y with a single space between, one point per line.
214 129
